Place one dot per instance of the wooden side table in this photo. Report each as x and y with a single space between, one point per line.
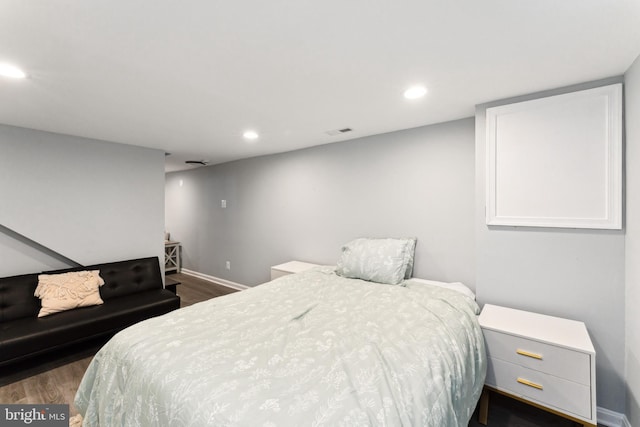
172 256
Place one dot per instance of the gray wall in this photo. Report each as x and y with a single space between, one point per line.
305 204
576 274
632 277
91 201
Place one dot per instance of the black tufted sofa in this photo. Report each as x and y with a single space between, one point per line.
132 292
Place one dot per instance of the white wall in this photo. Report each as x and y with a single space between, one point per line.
576 274
91 201
305 204
632 250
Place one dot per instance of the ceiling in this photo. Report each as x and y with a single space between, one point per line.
189 77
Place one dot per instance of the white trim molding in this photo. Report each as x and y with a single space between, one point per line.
216 280
609 418
556 161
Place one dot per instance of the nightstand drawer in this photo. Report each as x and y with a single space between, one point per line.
548 390
558 361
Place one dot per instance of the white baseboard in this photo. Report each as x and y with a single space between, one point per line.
610 418
216 280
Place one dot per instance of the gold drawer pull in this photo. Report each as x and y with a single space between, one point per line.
529 383
529 354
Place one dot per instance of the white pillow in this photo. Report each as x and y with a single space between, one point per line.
411 250
377 260
456 286
65 291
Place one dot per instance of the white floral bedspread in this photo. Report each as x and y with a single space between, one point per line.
311 349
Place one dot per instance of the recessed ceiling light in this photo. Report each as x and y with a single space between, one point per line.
8 70
415 92
250 135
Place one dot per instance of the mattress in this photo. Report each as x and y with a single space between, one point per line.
309 349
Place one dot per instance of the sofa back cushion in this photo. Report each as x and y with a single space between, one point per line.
16 297
129 277
125 277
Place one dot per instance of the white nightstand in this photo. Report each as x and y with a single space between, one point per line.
545 361
290 267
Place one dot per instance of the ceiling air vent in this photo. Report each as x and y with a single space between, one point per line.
338 131
197 162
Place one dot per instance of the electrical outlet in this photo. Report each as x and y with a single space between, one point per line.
228 265
223 203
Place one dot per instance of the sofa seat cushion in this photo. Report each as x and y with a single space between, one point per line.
33 335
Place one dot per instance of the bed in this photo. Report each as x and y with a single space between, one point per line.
357 344
309 349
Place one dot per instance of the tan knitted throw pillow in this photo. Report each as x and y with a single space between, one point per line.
65 291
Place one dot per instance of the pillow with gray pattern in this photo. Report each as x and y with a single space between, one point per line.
381 260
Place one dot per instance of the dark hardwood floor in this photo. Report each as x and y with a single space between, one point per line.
193 289
55 378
